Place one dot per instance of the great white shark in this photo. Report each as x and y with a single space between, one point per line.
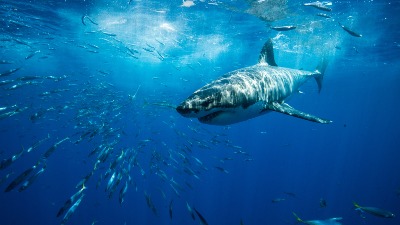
250 92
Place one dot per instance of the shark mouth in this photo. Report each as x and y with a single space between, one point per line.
209 117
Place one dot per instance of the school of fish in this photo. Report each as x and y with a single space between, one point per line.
100 124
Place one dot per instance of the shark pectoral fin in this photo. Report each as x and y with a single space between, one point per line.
288 110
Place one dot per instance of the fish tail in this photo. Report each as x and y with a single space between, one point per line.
83 187
297 218
356 205
321 71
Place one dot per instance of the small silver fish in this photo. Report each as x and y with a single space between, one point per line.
318 5
283 28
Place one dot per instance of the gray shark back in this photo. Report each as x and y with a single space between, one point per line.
260 82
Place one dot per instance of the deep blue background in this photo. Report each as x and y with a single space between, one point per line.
353 159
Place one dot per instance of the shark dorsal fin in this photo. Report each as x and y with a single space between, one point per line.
267 54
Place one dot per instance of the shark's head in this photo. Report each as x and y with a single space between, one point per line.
216 103
201 103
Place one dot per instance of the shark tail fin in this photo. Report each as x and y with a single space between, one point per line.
321 71
297 218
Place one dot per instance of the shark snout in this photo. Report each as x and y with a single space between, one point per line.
182 110
185 110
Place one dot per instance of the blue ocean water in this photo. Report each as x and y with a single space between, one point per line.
88 90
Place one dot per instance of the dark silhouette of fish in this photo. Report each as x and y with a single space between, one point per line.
352 33
202 219
374 211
